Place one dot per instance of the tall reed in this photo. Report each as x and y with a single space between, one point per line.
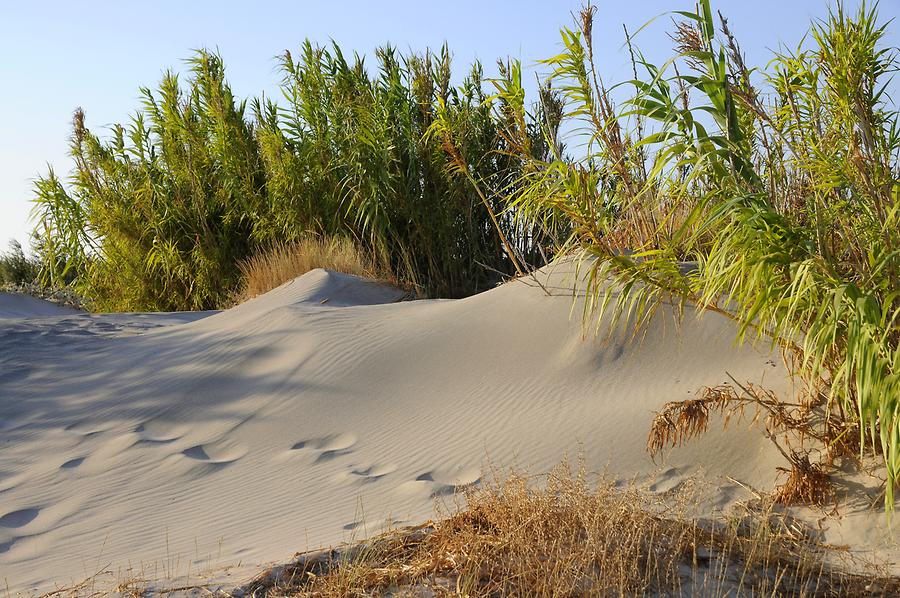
158 215
17 268
767 195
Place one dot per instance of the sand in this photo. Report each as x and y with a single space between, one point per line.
17 305
166 445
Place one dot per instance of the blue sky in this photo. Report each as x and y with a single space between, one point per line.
57 55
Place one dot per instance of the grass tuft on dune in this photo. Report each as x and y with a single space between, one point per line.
272 268
561 535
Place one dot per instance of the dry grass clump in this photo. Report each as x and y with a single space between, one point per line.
567 537
788 425
807 483
286 261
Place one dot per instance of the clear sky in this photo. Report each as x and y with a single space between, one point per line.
56 55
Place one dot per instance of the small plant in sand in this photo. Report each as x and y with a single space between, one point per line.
768 196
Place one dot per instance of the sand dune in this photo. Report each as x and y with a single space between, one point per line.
176 443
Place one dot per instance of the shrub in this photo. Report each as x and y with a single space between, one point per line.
158 216
15 267
349 155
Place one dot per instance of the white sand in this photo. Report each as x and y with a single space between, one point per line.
321 410
18 305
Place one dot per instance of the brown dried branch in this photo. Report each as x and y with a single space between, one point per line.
807 482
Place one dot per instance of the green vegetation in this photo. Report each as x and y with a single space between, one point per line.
158 216
770 196
16 268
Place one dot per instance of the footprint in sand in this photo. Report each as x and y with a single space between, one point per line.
218 453
327 447
367 528
373 472
160 432
20 518
667 480
452 476
86 428
441 482
72 463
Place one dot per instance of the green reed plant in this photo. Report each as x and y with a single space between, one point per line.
17 268
769 196
158 215
350 152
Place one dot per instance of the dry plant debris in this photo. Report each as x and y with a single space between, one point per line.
807 482
561 535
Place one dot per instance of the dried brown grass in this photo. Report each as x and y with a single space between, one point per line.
788 425
563 536
286 261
